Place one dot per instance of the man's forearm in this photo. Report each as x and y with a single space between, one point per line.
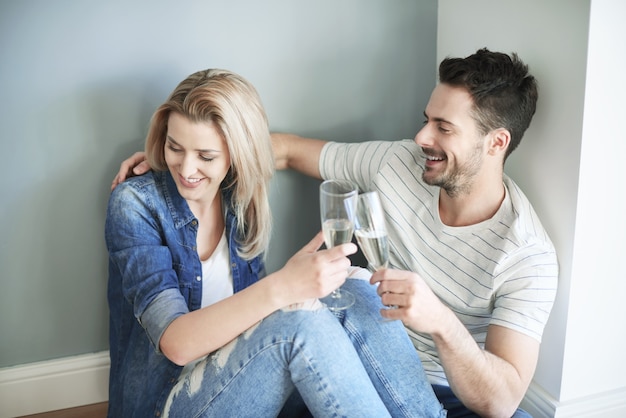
483 381
297 153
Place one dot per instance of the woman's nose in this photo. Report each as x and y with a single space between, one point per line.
188 166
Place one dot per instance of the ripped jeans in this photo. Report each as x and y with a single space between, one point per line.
339 369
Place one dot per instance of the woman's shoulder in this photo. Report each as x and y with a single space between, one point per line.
136 188
143 181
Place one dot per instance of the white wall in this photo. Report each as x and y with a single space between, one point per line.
594 358
569 166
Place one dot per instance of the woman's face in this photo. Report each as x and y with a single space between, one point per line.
197 157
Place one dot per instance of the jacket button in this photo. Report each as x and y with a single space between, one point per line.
198 278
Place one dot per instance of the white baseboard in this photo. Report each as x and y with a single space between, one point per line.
55 384
81 380
540 404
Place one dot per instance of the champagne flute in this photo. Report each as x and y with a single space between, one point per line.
371 232
338 200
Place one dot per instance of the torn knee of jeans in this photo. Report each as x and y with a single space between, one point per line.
307 305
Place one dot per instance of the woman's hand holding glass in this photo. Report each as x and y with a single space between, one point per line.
338 201
314 273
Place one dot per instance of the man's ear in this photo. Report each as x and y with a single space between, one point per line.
499 140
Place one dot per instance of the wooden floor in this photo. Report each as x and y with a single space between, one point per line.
97 410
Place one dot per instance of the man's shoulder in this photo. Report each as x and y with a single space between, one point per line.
520 203
526 224
399 145
394 145
403 150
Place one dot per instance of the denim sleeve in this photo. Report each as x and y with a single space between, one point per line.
166 306
141 262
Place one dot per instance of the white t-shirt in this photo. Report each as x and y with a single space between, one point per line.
217 284
502 271
217 278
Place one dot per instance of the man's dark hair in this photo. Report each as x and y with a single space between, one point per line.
504 93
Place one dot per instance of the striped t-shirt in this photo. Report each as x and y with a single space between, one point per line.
502 271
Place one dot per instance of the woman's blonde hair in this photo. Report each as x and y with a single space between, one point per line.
234 106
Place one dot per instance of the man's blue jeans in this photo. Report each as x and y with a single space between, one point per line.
340 369
457 410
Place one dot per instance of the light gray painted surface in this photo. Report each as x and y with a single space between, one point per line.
80 80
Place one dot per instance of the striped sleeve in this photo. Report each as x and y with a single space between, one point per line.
358 162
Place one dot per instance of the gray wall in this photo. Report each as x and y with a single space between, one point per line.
79 81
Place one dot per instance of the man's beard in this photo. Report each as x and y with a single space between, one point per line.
458 180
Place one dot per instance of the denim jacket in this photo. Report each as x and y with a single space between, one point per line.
155 276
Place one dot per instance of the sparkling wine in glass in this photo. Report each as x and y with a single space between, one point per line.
338 201
371 231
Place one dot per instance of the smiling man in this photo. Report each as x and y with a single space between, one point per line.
472 270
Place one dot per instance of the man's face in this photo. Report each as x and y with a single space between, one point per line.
450 140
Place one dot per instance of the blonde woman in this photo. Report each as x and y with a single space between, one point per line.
196 327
